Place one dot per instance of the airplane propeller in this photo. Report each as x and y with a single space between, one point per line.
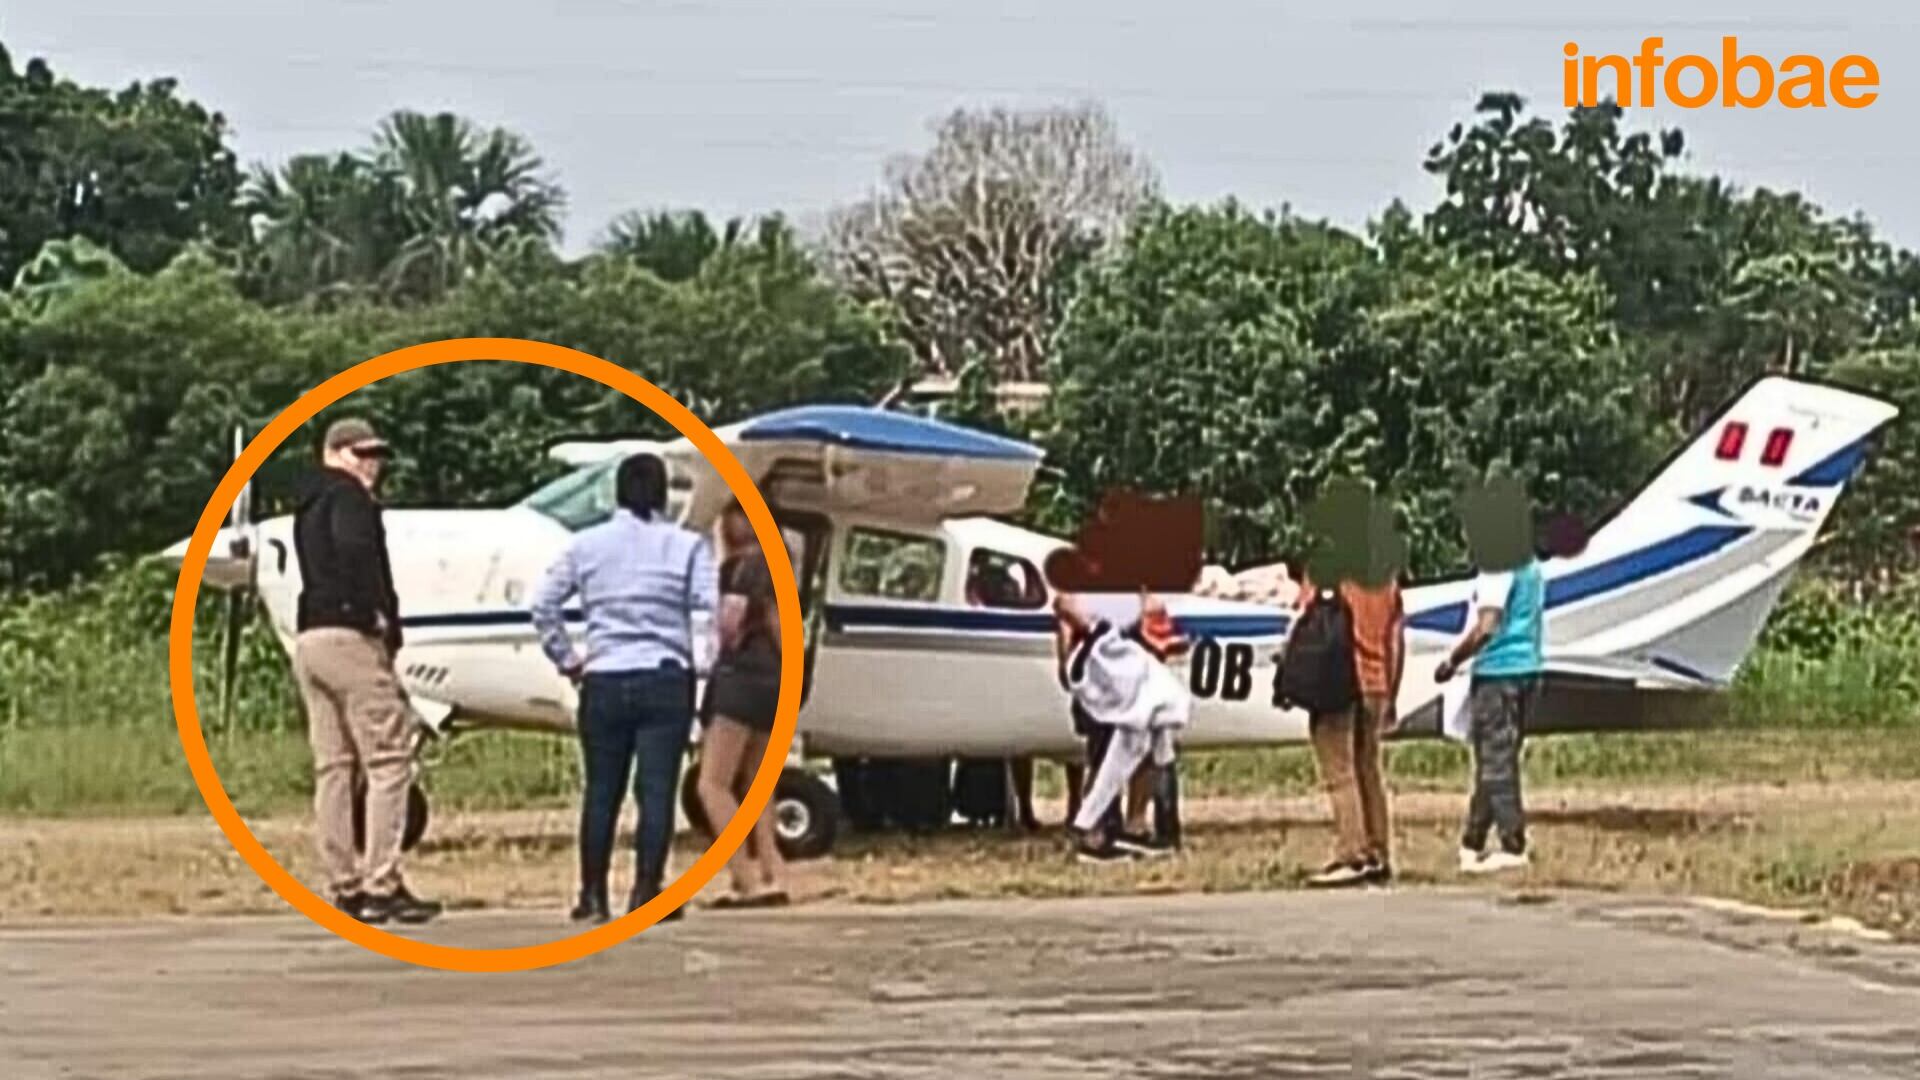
240 601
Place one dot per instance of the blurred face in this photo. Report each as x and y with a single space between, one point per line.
736 532
366 461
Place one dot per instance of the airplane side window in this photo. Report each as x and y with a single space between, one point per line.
997 580
893 566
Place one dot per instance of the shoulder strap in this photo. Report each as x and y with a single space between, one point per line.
693 552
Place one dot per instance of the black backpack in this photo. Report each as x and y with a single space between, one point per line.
1316 669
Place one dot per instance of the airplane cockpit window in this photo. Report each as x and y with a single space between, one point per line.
584 497
580 499
996 580
893 566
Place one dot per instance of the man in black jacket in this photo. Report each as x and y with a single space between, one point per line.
358 718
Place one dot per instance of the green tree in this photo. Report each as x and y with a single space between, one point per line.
61 267
672 244
324 228
139 171
1710 287
1571 200
431 202
463 193
755 328
102 377
1248 359
1877 535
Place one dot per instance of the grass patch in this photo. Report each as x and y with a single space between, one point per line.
58 772
139 770
100 770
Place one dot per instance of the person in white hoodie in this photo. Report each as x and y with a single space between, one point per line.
1119 678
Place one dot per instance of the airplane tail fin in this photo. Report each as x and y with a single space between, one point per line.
1677 585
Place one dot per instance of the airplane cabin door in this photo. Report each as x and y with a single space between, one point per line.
809 539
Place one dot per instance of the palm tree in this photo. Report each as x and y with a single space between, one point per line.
431 200
671 243
676 244
321 226
460 193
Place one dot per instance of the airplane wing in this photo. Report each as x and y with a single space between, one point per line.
1599 694
854 459
578 453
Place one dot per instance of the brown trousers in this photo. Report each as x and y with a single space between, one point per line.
1347 745
359 723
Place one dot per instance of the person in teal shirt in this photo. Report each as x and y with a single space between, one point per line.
1504 643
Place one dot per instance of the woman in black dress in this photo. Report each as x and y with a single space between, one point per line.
743 690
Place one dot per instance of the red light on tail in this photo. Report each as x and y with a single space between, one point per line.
1776 449
1732 438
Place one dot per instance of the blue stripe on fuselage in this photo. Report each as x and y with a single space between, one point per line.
1615 573
879 617
502 617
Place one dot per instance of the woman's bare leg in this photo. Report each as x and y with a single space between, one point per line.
762 843
721 753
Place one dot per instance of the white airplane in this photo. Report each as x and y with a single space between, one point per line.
889 518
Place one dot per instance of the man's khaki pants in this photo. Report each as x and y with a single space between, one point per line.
1347 745
358 720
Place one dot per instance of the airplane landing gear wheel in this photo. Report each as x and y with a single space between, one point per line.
417 817
806 813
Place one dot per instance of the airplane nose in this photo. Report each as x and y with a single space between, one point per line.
176 554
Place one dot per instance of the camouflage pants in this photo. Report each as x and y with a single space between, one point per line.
1501 709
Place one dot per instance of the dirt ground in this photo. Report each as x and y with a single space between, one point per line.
1851 849
145 948
1413 983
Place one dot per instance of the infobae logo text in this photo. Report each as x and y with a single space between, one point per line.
1692 81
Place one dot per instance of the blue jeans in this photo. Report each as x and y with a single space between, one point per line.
624 715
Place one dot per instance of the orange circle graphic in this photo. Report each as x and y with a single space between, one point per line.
194 743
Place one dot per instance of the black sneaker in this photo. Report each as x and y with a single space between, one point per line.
353 904
592 907
1378 872
1149 847
402 907
641 896
1106 854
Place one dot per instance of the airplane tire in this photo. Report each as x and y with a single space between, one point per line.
921 794
806 813
418 814
690 808
417 817
980 791
860 782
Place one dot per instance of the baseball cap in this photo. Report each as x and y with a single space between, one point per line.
352 431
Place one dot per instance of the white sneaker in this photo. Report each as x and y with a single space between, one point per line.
1501 860
1470 860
